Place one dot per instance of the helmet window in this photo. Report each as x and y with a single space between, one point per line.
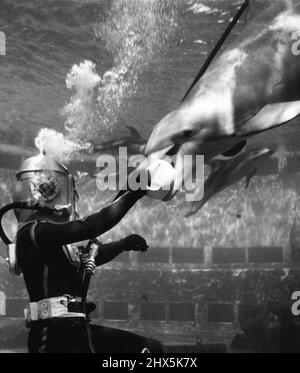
44 187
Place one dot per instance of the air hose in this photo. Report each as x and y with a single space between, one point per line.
28 205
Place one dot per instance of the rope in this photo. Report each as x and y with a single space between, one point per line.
218 46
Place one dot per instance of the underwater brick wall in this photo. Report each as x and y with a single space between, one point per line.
192 295
168 295
211 297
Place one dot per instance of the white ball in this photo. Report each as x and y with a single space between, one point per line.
162 176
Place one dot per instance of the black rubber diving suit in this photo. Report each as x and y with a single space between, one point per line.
54 270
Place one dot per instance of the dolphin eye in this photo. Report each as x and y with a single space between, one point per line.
186 133
182 136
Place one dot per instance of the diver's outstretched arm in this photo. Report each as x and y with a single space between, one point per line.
110 215
90 227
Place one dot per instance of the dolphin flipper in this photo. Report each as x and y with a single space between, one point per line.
236 149
271 116
133 132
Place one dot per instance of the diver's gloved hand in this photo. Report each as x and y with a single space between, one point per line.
134 242
136 177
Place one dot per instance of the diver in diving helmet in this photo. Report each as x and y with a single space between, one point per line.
56 270
44 181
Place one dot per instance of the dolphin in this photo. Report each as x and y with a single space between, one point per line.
253 85
134 143
228 172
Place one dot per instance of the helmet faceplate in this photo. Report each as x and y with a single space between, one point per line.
43 180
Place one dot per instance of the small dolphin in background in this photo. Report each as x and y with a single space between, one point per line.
134 143
253 85
228 172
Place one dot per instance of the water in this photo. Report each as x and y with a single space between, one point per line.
142 56
145 53
158 46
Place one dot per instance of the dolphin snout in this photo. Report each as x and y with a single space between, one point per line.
156 144
170 131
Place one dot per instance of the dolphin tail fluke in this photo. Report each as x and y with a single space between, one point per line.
236 149
250 176
195 207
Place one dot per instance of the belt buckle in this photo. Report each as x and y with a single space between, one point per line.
31 312
50 307
44 309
